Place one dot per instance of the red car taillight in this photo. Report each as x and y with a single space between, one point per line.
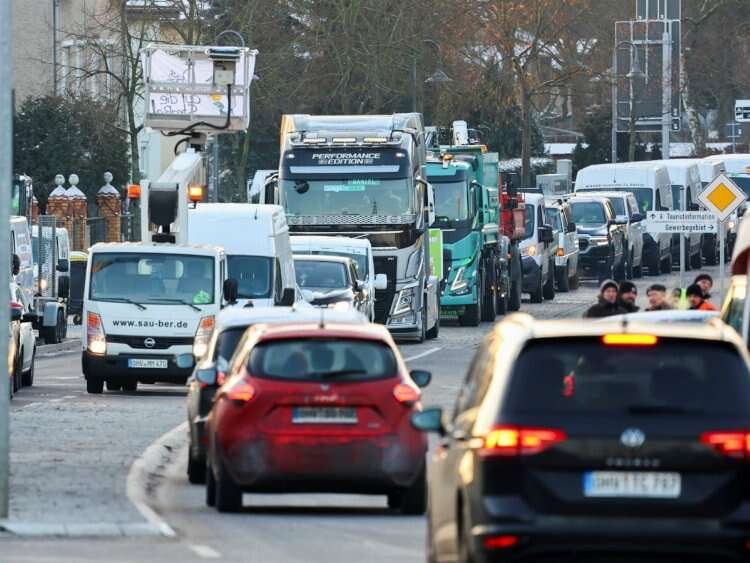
405 394
240 390
733 443
514 441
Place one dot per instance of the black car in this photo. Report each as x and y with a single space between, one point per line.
598 439
601 237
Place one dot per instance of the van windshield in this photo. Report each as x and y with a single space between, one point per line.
530 211
152 278
253 275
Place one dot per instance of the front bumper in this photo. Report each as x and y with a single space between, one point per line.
115 366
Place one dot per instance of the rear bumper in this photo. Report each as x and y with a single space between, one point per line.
116 367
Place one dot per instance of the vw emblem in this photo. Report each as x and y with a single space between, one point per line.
149 342
632 438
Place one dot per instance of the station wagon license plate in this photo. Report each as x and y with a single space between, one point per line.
631 484
142 363
324 415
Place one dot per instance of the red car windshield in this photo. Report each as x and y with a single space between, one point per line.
314 359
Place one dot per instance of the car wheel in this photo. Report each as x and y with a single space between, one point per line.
28 377
228 493
435 330
130 385
94 385
196 469
563 282
49 334
413 499
464 533
514 299
549 288
210 487
536 296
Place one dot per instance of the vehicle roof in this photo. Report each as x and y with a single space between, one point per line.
589 196
299 240
628 174
245 316
368 331
322 258
156 248
533 198
606 193
668 316
681 172
734 163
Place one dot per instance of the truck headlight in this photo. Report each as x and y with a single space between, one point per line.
405 300
202 336
96 340
460 284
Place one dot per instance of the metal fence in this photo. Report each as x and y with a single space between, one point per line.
83 233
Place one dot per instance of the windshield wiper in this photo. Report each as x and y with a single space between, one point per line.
180 301
124 300
663 409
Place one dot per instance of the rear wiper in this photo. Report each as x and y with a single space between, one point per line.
663 409
180 301
124 300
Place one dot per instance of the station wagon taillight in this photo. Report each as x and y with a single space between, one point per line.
735 444
515 440
405 394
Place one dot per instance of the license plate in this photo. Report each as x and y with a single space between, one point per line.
141 363
324 415
631 484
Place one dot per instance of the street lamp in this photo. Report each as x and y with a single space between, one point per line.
634 73
437 77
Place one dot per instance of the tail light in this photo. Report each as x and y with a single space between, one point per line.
241 390
501 542
96 341
202 336
515 441
405 394
735 444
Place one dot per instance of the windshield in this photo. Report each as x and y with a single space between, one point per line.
253 275
582 375
151 278
451 201
529 224
644 196
227 342
347 196
318 360
588 213
325 275
552 218
359 258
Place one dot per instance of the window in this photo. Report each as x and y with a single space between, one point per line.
226 345
553 218
589 213
733 314
253 275
321 275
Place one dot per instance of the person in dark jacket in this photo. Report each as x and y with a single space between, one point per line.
607 305
628 296
657 298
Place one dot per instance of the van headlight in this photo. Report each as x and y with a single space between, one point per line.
529 250
202 336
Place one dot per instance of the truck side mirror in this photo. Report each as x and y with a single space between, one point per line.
572 227
287 297
381 282
230 290
546 235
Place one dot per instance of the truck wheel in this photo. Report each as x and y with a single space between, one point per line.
537 295
489 305
514 299
94 385
49 334
435 330
28 377
563 281
548 292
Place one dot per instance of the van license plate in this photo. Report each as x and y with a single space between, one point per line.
141 363
324 415
631 484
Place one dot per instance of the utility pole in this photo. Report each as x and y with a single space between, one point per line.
6 172
666 93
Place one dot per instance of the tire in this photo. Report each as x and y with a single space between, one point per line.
114 385
49 334
514 299
537 295
697 260
548 292
575 281
228 493
94 385
196 470
502 303
489 305
433 333
62 323
473 313
28 377
210 487
666 265
563 281
130 385
464 551
412 501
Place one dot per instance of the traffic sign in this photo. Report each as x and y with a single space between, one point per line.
722 197
681 222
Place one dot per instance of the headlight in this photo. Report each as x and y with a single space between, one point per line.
529 250
96 341
459 282
405 300
730 225
43 284
598 241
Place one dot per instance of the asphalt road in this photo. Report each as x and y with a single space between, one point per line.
72 452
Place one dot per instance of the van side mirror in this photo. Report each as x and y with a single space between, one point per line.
287 297
546 235
381 282
636 218
62 266
572 227
230 290
421 377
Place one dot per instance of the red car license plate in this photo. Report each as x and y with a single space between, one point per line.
324 415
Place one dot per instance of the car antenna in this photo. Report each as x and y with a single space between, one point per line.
322 320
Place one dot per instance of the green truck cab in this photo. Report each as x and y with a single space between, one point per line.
467 211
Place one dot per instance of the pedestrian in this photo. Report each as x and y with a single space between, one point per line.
628 296
607 304
697 299
657 298
679 300
706 283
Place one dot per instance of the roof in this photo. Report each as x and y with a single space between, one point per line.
681 172
221 223
369 331
626 174
246 316
156 248
734 163
533 198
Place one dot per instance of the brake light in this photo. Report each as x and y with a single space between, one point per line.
734 444
96 340
513 440
630 339
500 542
241 390
405 394
202 336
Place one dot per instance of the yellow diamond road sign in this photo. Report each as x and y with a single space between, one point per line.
722 197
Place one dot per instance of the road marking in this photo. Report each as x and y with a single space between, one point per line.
423 354
205 551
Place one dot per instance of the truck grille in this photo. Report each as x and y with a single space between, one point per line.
159 342
384 298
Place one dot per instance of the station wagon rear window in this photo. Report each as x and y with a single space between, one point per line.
673 376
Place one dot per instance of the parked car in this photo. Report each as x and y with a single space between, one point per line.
26 336
571 438
538 251
627 210
211 370
331 282
317 407
601 237
559 216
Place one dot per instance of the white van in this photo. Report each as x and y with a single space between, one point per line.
358 249
650 184
20 245
685 175
737 169
256 241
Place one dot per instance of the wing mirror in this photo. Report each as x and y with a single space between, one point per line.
381 281
62 266
16 264
421 377
572 227
546 235
288 297
636 218
206 376
429 420
230 291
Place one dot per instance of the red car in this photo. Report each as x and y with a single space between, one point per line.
313 408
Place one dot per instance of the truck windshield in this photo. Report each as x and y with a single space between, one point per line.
588 213
152 278
253 275
552 218
347 196
451 201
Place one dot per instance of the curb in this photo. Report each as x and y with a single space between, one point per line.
147 472
66 347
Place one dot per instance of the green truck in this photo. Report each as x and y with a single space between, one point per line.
476 280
